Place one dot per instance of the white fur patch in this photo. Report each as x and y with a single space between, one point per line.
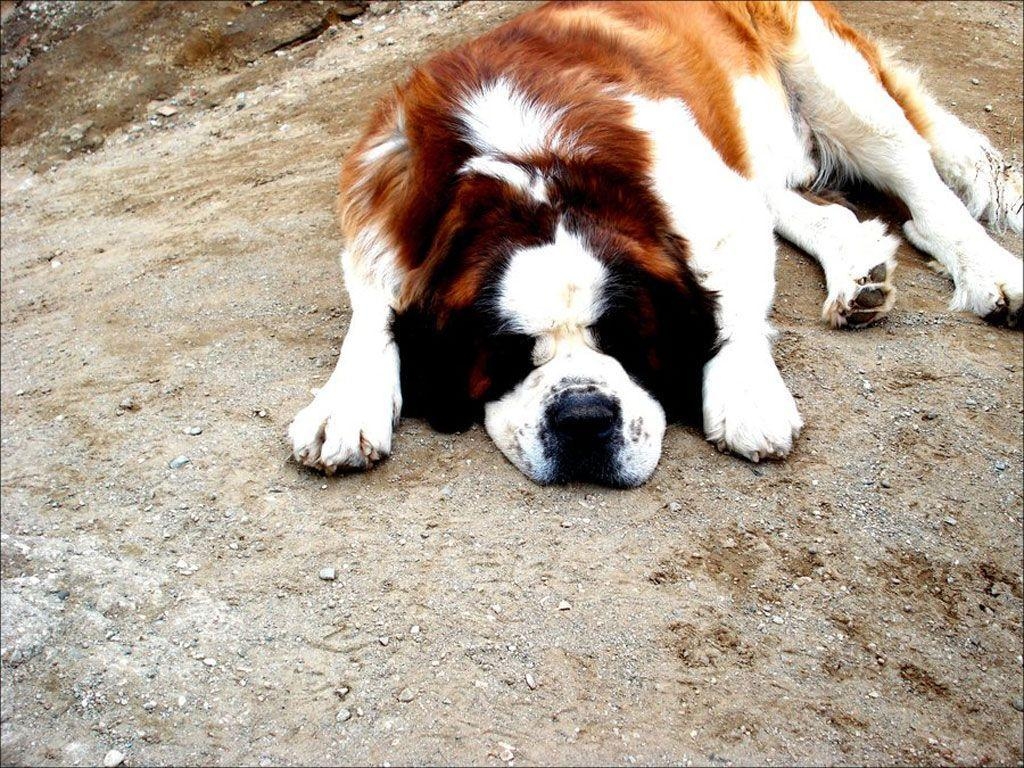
500 119
554 288
778 147
510 173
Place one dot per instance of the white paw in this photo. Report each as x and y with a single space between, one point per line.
861 290
747 408
350 422
989 279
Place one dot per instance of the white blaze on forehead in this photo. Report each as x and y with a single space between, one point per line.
500 119
510 173
552 287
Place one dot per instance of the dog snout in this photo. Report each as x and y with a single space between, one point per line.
581 416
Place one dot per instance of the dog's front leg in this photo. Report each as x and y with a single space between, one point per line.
350 422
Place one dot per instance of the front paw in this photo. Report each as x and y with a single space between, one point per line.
747 408
348 425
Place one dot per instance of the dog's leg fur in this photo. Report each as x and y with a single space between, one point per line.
350 422
747 407
857 257
867 133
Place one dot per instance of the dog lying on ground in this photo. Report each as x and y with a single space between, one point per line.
565 228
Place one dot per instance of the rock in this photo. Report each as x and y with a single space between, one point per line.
446 492
567 523
975 81
167 111
406 695
531 683
564 605
382 7
675 506
950 521
988 107
343 715
128 404
210 661
777 620
1018 704
506 752
194 431
179 462
328 574
112 758
149 706
414 629
1001 466
81 137
885 483
384 641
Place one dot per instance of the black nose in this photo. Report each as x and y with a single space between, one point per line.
583 415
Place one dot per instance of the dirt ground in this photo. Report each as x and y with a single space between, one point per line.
170 288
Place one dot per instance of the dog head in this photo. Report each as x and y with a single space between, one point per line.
559 310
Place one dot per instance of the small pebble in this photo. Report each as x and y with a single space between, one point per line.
343 715
384 640
127 404
112 758
874 694
415 629
975 81
988 107
885 483
149 706
1018 704
564 605
777 620
210 661
194 431
950 521
328 574
446 492
530 682
406 695
179 462
567 523
1002 466
166 111
675 506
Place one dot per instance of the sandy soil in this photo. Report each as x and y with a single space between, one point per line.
860 602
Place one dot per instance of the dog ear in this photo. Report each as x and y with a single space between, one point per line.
437 358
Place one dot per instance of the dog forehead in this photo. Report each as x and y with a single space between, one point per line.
551 287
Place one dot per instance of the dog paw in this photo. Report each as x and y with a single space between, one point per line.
989 281
747 408
863 292
349 424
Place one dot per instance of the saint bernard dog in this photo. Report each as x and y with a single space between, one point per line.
565 229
